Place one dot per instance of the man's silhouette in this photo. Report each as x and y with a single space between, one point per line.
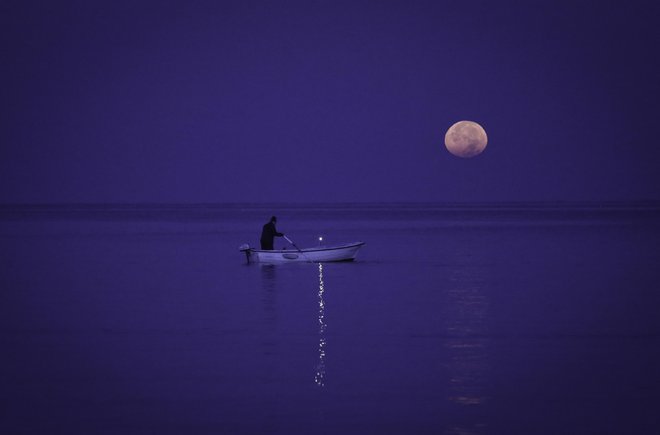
268 234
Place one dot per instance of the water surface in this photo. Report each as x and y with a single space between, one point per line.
516 318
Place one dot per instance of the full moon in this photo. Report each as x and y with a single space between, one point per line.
466 139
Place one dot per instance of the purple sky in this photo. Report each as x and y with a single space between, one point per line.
323 101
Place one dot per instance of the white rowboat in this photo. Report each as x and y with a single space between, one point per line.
321 254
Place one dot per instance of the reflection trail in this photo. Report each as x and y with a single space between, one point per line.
269 343
269 279
466 325
320 368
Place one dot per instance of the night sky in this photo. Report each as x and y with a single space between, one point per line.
327 101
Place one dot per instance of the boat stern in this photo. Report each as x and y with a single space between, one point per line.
245 248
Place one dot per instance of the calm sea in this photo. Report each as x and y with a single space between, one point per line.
482 319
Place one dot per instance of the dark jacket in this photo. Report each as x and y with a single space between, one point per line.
268 234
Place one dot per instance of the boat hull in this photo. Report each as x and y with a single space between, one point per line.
310 255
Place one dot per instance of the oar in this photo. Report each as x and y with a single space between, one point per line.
299 250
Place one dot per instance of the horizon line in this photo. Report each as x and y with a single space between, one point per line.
337 203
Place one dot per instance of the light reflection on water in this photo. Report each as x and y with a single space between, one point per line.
269 296
269 341
320 368
465 312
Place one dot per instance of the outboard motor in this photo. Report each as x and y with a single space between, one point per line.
245 248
